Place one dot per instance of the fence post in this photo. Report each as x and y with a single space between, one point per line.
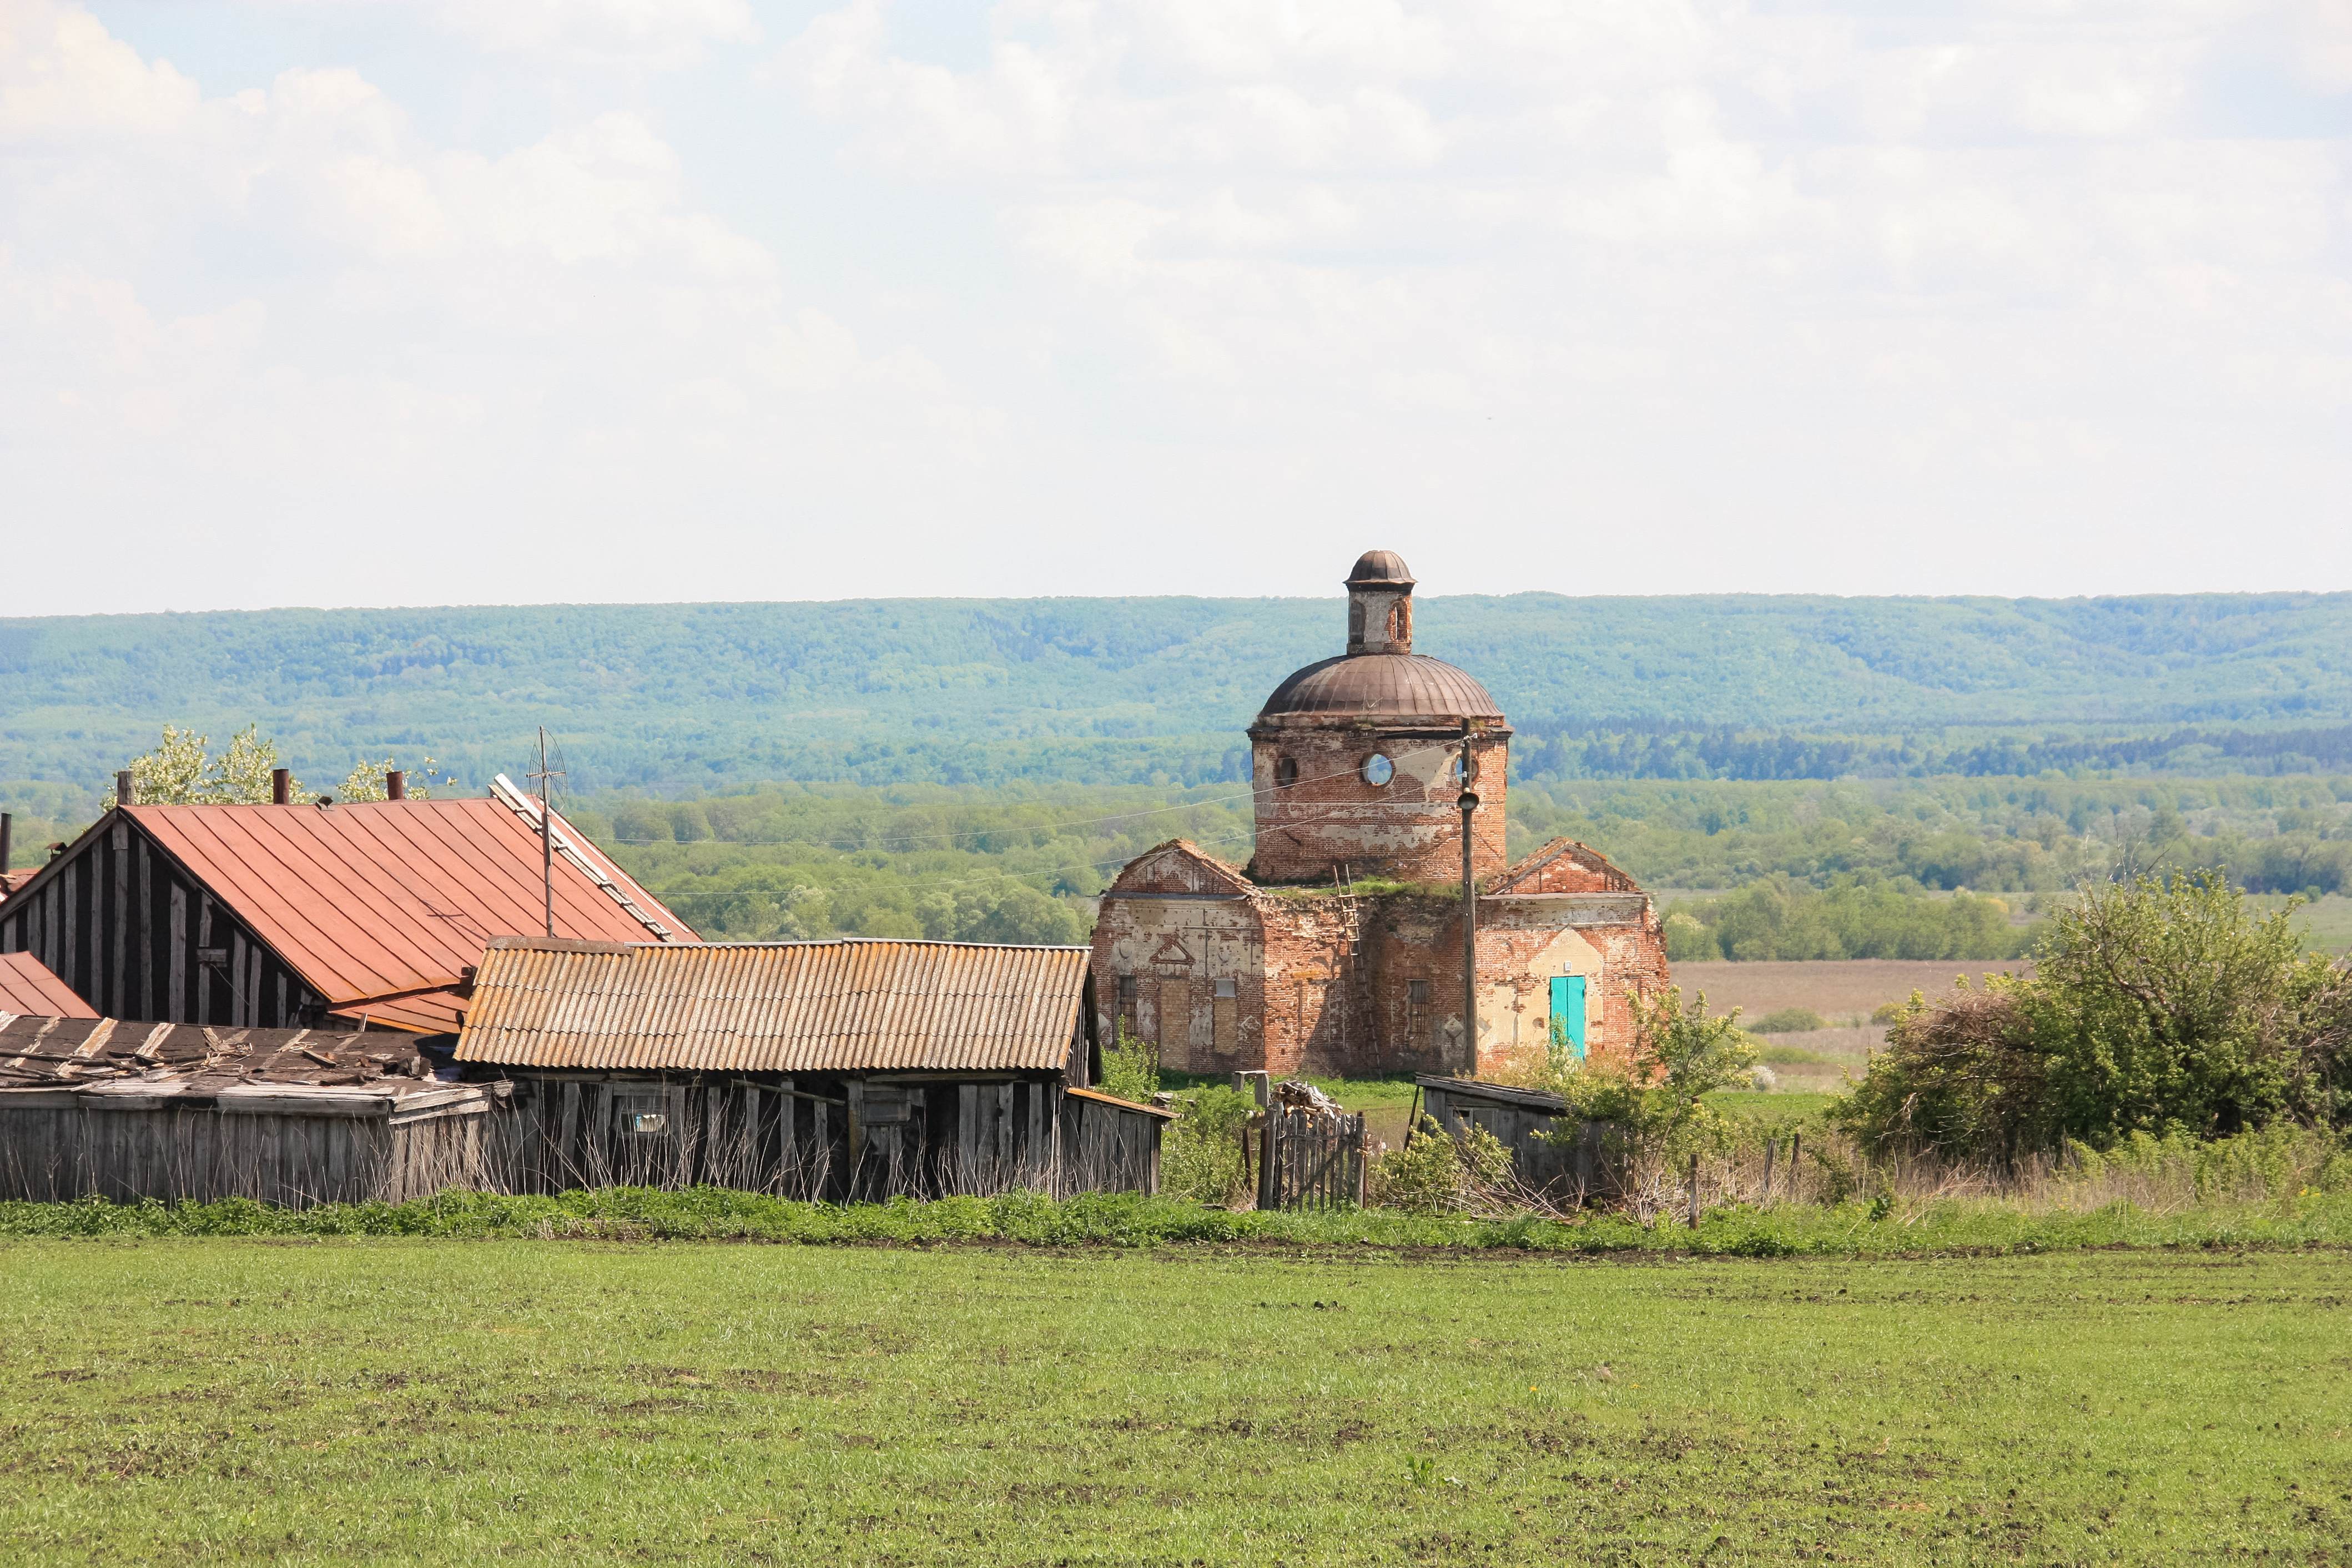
1796 1154
1771 1147
1266 1155
1694 1192
1363 1165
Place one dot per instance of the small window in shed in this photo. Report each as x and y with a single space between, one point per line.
1225 988
641 1115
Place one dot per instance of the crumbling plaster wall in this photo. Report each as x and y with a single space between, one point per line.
1326 982
1173 925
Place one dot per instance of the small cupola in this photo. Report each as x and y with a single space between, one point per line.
1380 604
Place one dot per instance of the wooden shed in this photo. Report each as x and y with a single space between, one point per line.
294 1117
1524 1121
848 1069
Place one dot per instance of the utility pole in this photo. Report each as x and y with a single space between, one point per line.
1469 804
547 829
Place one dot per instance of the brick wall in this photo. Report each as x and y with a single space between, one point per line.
1409 828
1326 983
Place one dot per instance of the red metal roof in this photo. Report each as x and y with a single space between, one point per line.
381 905
848 1006
27 986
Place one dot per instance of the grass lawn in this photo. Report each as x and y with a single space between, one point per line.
179 1400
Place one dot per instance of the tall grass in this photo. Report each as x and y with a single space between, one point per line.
1881 1225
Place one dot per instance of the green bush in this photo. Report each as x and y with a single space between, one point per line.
1789 1020
1201 1155
1130 1068
1654 1098
1436 1174
2163 1005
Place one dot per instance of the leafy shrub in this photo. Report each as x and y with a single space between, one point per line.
1201 1155
1789 1020
1653 1099
1889 1012
2164 1006
1130 1068
1436 1174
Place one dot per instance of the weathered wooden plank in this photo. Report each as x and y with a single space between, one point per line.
118 988
176 957
1001 1176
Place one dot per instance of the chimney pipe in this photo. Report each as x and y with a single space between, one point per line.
281 786
6 865
122 787
395 784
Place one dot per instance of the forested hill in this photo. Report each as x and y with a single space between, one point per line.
1142 689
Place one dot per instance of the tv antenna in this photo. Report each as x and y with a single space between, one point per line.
546 776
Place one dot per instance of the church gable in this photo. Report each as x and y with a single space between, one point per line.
1564 866
1180 866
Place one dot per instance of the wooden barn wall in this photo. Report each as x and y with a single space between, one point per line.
1109 1148
859 1139
54 1147
136 937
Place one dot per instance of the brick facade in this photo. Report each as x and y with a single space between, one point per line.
1294 965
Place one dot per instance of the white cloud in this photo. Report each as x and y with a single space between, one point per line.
1998 295
412 335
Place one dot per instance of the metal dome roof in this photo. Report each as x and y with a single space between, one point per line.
1380 685
1381 569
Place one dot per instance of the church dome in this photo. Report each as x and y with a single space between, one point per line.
1390 686
1380 568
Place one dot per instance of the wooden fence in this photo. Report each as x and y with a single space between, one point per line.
1310 1160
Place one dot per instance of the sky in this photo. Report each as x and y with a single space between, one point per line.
354 302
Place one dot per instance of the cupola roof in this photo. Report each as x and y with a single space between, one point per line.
1380 568
1392 686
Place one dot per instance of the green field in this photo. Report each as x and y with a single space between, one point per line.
214 1400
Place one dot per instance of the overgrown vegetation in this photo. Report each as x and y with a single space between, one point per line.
2161 1005
2317 1212
1130 1067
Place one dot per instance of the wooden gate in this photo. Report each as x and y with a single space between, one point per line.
1310 1161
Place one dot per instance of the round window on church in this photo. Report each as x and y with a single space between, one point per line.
1378 770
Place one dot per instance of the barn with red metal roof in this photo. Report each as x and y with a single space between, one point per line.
314 914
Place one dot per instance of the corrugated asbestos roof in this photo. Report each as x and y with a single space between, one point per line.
27 986
381 905
849 1006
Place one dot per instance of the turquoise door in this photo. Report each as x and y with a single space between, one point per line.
1568 1012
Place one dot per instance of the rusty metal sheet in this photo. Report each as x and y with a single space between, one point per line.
387 900
847 1006
27 986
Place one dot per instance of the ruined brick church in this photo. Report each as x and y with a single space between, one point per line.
1338 949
